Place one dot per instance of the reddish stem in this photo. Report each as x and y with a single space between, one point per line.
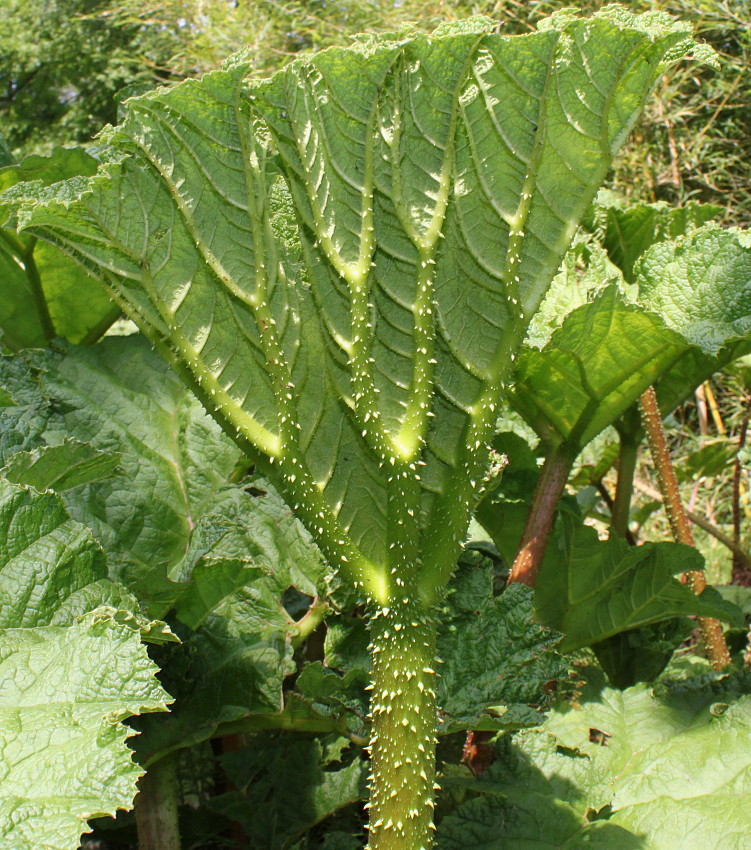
740 572
552 482
711 630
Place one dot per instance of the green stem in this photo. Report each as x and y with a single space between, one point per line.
37 293
550 486
156 807
624 490
308 623
402 745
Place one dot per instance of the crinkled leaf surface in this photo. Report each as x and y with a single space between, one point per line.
586 270
435 184
690 317
175 463
61 467
701 284
513 817
627 230
590 589
46 558
228 590
531 796
66 691
181 535
675 769
42 292
497 660
23 423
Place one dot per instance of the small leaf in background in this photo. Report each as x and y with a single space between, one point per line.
283 789
61 467
66 691
640 655
328 690
713 266
590 589
497 660
594 367
627 229
711 458
43 293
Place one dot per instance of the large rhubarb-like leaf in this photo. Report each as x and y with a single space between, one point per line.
66 691
674 768
42 293
591 589
343 259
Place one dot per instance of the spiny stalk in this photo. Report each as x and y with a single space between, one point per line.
711 630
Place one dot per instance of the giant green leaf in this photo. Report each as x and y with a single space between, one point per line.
674 768
42 293
342 261
413 166
590 589
66 691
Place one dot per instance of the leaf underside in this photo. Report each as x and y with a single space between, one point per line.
343 259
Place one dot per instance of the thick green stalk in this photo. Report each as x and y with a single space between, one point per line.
402 745
156 807
624 490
